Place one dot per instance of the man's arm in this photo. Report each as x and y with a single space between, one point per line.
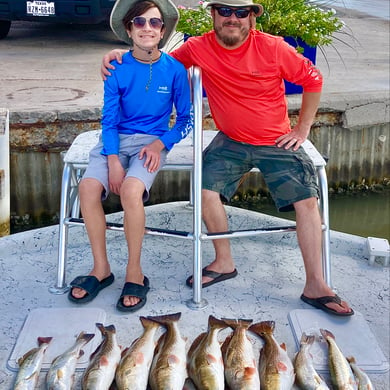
115 54
300 132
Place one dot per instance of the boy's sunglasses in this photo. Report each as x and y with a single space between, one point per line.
140 22
240 13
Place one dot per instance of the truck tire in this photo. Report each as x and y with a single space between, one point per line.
5 25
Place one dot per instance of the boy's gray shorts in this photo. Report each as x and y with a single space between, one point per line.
290 175
129 148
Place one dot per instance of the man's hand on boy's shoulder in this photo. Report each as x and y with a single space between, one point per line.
106 65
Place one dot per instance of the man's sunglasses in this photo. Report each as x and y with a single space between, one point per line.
140 22
240 13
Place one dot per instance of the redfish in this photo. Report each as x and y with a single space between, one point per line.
100 372
133 370
168 370
307 377
30 365
205 362
61 372
240 364
275 367
340 370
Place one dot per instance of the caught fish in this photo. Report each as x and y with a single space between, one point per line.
363 381
275 366
30 365
133 370
238 357
340 370
307 377
168 370
100 372
61 372
205 360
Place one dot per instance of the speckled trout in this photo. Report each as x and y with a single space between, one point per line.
168 370
205 362
238 356
133 370
275 367
100 372
363 381
30 365
307 377
340 370
61 372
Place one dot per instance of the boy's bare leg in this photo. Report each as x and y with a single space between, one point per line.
90 191
134 224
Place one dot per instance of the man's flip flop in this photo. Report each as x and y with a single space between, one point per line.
91 285
216 276
320 303
134 290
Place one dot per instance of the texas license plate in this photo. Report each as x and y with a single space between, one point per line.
40 8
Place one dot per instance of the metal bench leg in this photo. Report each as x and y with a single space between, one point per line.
60 287
324 207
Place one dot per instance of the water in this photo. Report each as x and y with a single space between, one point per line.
362 214
378 8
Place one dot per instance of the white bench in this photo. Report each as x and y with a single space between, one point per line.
187 156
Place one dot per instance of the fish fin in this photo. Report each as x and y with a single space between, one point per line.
327 333
44 340
235 323
173 359
166 319
281 366
148 322
139 358
196 342
216 323
283 346
307 339
262 328
211 359
103 361
110 328
87 337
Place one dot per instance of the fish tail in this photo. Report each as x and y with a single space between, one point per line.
235 323
166 319
216 323
263 328
307 339
105 329
85 337
327 334
148 322
44 340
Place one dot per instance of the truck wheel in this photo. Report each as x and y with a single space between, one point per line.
5 25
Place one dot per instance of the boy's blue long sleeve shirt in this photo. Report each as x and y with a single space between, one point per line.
129 108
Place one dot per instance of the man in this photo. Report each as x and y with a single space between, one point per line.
243 71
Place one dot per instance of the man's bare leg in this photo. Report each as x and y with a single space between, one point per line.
134 224
90 191
214 216
309 234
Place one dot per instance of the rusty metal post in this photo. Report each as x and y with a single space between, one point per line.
4 173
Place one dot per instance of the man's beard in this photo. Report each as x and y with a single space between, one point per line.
231 40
